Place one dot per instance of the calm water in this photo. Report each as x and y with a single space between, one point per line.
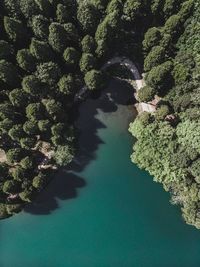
104 213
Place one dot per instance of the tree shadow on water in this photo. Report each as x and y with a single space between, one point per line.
66 182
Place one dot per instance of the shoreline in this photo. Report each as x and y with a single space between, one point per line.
138 81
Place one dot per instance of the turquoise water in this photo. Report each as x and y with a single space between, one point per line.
105 212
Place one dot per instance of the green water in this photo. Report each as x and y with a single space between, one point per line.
105 212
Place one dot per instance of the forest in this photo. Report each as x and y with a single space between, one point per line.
168 141
51 49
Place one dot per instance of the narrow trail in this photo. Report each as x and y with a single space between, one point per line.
138 79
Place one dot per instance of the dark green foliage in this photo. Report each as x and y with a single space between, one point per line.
88 17
131 10
195 170
32 85
15 29
27 163
27 195
3 171
12 7
15 155
58 129
49 72
67 84
44 125
71 57
16 132
30 127
58 37
160 76
87 62
40 27
6 50
41 50
39 181
154 58
162 112
63 155
34 111
13 208
25 60
172 25
54 108
8 73
19 173
115 5
11 187
180 73
29 8
18 98
94 80
28 142
146 94
88 44
6 125
151 38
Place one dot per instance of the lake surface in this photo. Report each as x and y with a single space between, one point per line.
104 211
